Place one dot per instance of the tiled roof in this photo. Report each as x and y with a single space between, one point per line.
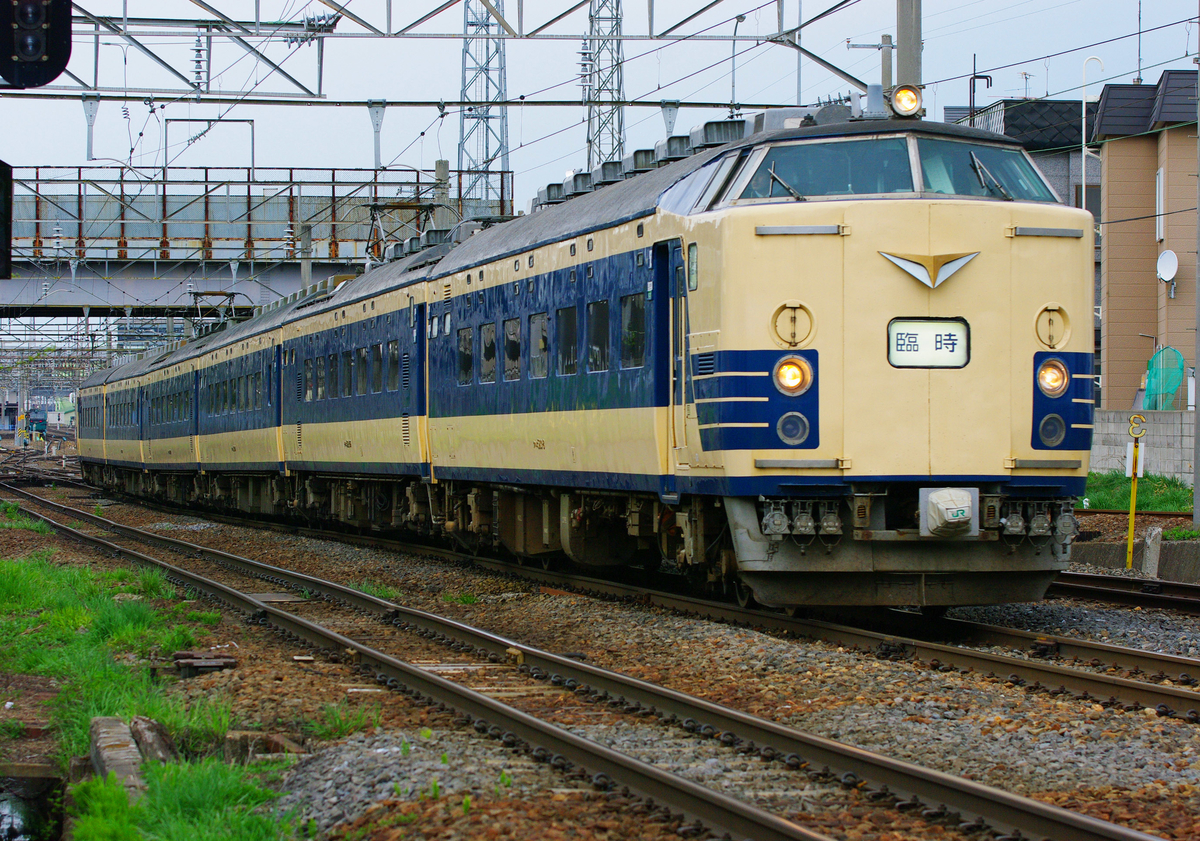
1038 124
1133 109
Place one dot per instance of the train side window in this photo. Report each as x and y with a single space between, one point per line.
308 380
466 359
258 390
693 271
333 375
567 336
243 397
363 374
487 358
597 335
376 369
433 326
633 330
539 344
267 390
347 373
320 364
512 349
393 355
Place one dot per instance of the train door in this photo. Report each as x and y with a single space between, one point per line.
671 315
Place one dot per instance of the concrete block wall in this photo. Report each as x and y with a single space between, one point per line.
1167 447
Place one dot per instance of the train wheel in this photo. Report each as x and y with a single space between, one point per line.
743 594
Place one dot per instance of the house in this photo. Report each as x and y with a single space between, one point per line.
1148 161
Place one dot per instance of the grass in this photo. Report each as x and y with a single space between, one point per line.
12 518
62 622
201 801
338 720
1155 493
460 598
377 589
1181 534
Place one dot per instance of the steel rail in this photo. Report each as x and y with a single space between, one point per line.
562 749
1109 689
799 750
1134 660
1149 587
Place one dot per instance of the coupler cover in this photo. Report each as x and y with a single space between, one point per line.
949 512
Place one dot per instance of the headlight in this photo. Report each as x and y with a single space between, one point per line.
792 428
793 375
1052 430
1053 378
906 100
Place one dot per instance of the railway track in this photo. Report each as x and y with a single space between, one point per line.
1088 670
889 782
1138 592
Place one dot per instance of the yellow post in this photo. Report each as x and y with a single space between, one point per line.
1136 431
1132 507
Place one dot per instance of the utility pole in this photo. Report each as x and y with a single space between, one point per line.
908 42
1196 306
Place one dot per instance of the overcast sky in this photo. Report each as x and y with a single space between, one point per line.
546 142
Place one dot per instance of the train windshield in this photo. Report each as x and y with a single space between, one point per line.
841 168
974 169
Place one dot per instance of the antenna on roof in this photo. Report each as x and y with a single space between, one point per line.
1137 80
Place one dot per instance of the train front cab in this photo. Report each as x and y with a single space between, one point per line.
849 358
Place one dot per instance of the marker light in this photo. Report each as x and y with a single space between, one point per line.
793 375
906 100
1053 378
1052 431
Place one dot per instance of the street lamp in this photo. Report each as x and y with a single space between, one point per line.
733 68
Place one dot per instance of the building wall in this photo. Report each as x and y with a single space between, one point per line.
1166 448
1129 294
1176 317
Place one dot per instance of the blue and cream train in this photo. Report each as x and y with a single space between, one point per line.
822 364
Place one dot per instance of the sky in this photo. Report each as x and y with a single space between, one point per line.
1034 47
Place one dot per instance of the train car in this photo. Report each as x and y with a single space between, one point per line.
33 421
825 364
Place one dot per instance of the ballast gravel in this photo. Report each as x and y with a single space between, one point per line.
1134 767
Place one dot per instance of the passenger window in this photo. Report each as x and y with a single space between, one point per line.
539 344
362 375
308 380
333 375
433 326
258 391
376 369
567 334
243 398
597 335
487 358
466 359
633 330
320 363
347 373
393 365
512 349
693 272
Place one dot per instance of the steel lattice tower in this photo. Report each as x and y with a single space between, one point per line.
604 85
483 128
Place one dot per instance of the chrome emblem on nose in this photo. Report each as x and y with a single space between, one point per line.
932 270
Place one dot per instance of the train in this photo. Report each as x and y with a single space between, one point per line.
800 361
32 421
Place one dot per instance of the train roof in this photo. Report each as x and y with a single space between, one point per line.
612 205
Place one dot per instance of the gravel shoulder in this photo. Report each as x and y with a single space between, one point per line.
1140 771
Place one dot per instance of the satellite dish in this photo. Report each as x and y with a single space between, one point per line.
1168 265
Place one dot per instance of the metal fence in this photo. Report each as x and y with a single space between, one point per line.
209 213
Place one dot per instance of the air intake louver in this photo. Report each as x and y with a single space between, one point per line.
706 363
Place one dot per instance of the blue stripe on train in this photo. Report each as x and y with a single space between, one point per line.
1082 387
766 411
